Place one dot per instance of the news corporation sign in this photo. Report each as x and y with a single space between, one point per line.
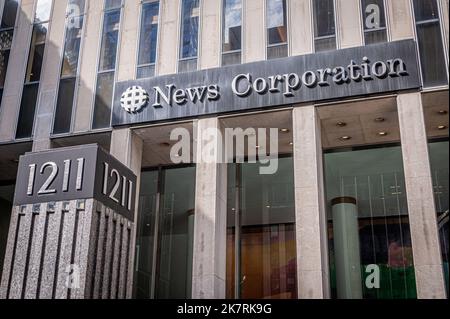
334 75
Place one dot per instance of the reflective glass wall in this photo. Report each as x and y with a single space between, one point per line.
370 249
261 248
165 234
6 204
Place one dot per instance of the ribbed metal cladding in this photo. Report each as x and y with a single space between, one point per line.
67 250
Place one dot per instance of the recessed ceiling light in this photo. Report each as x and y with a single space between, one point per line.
341 124
380 119
442 127
284 130
383 133
258 147
345 138
268 206
443 112
291 143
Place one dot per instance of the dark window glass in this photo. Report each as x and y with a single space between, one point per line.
103 100
64 106
112 4
431 49
368 224
9 14
146 71
374 21
6 205
277 51
261 233
324 25
232 25
36 55
1 96
149 34
231 58
187 65
27 110
72 47
276 21
110 36
189 28
5 49
166 270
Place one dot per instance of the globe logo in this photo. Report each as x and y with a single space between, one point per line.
134 99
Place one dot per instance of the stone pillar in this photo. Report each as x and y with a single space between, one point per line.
210 34
12 93
254 32
349 26
310 213
400 17
301 32
421 206
209 265
168 45
51 71
445 21
127 147
129 41
88 66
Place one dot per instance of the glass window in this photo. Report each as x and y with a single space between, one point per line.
6 205
36 55
189 29
429 37
69 69
436 108
164 261
107 65
43 11
148 39
374 21
276 29
324 25
9 14
232 32
261 247
27 110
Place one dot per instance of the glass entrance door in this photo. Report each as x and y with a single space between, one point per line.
165 234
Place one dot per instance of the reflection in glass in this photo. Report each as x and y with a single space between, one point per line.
6 38
324 25
276 29
440 173
431 48
6 204
189 28
261 250
36 55
103 100
43 11
232 31
148 39
368 224
110 35
72 48
164 261
9 14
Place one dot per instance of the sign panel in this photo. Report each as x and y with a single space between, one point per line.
76 173
380 68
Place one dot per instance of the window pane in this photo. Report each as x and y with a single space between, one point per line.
426 10
27 109
232 25
231 58
75 7
112 4
177 232
6 205
9 13
276 21
72 48
431 54
149 33
109 40
64 106
36 55
277 51
146 234
103 100
267 258
188 65
325 44
5 46
43 10
368 224
146 72
373 37
324 18
189 28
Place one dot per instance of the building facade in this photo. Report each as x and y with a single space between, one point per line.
357 206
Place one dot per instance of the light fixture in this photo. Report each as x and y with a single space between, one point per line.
345 138
284 130
341 124
291 143
383 133
443 112
442 127
380 119
268 206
